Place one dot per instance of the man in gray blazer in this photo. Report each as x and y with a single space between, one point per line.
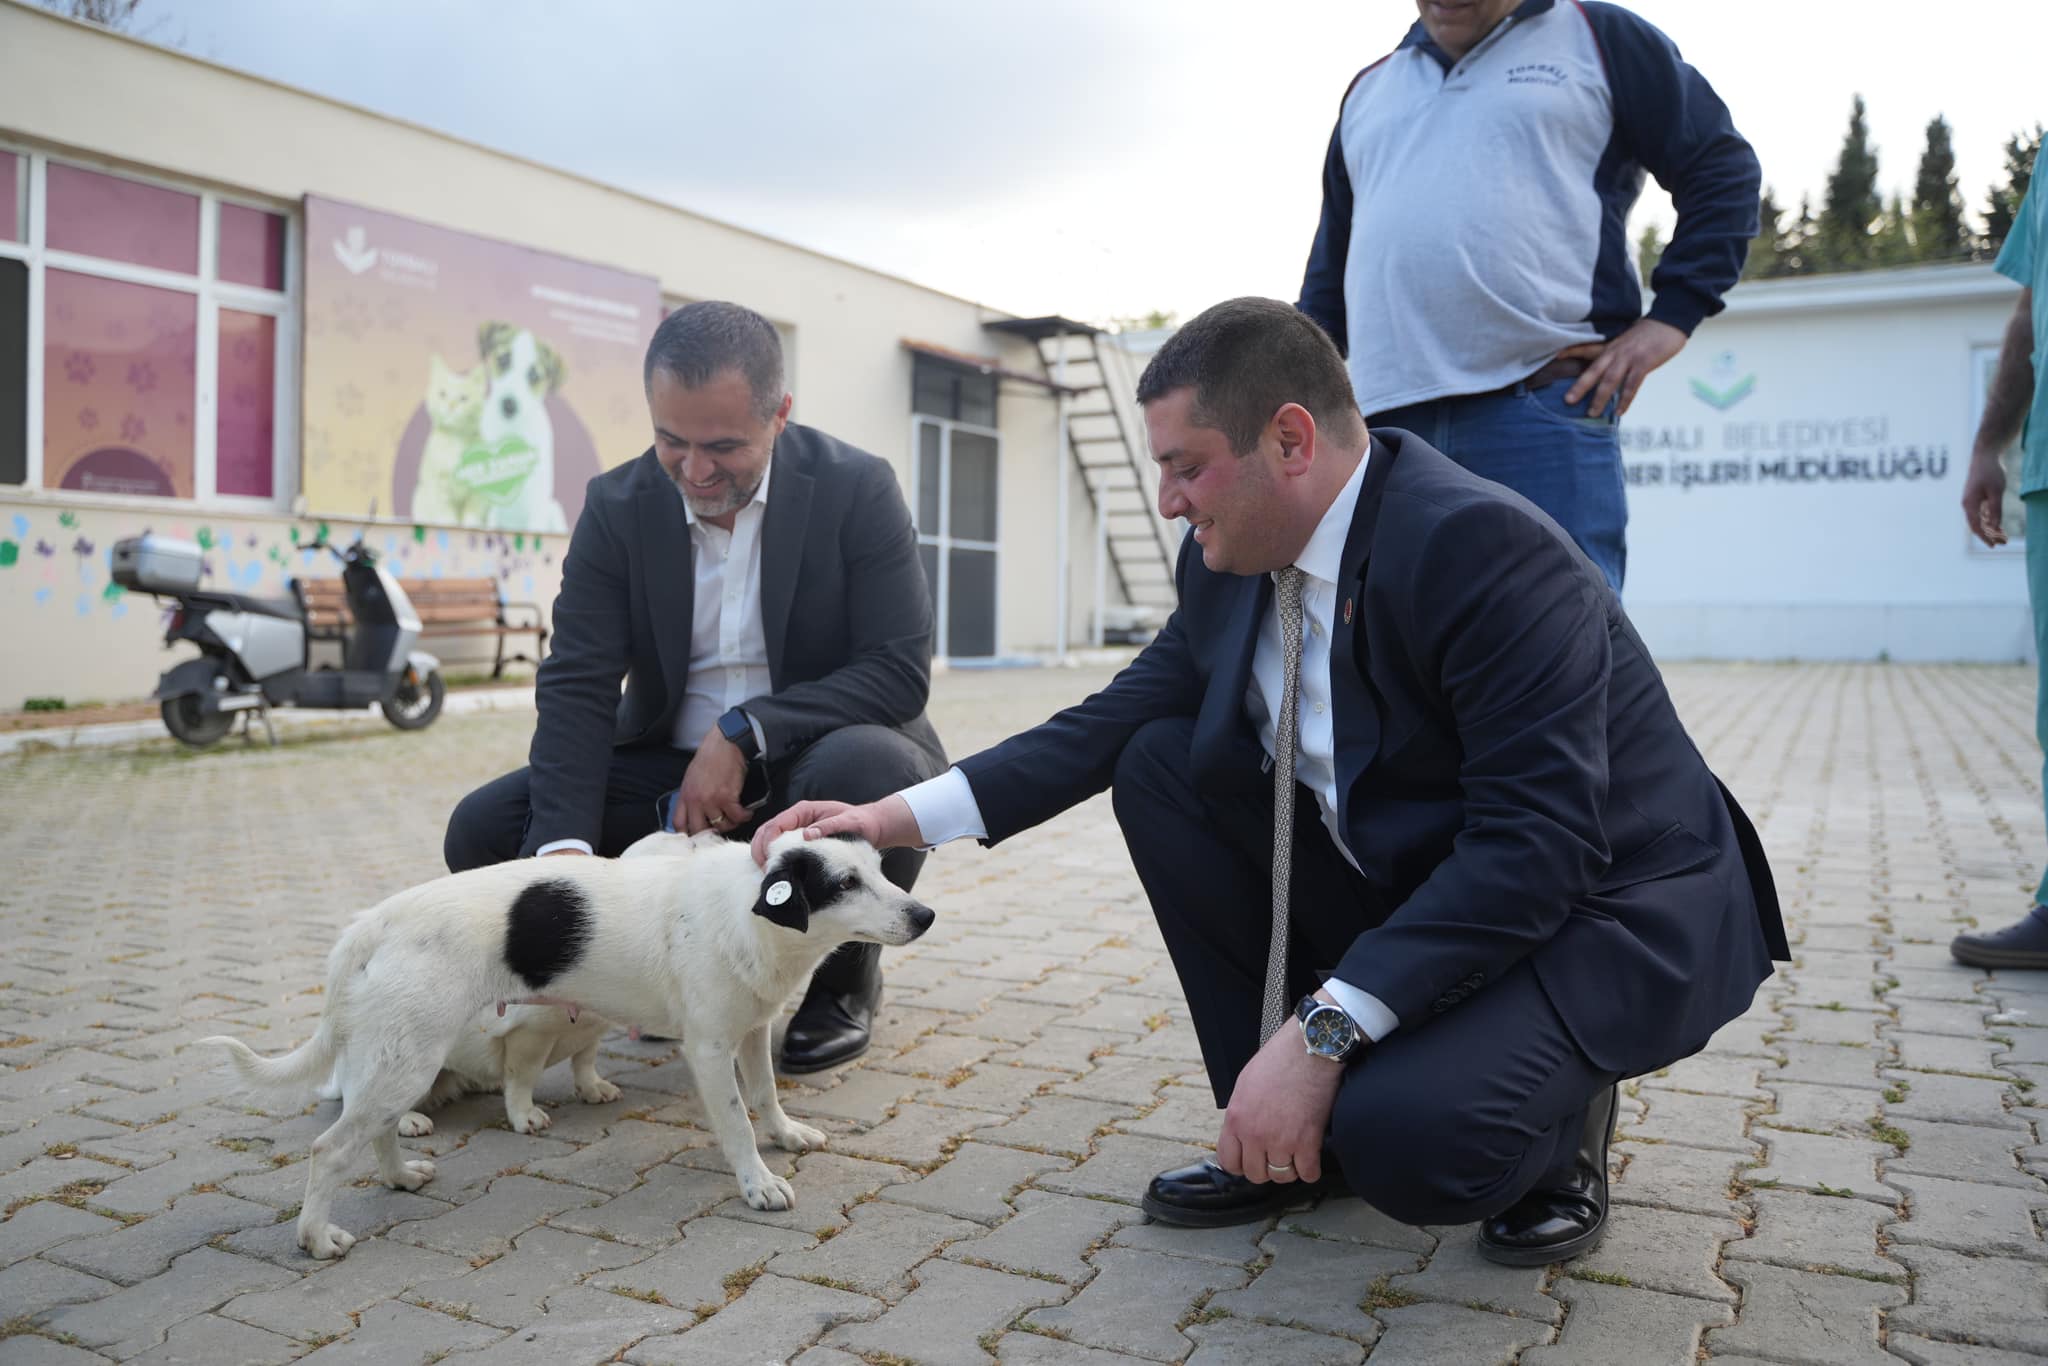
756 586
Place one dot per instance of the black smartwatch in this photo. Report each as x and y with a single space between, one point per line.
738 727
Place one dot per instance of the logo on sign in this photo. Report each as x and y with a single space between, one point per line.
353 250
1724 388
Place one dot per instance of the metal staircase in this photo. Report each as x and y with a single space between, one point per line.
1102 439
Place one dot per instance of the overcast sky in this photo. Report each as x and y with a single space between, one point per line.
1092 157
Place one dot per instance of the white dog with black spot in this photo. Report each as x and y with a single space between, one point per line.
703 945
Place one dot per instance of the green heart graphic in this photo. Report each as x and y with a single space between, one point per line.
206 538
67 519
112 592
9 553
497 473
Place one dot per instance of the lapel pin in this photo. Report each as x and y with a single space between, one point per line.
1347 611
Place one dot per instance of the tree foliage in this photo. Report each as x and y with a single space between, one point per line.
1849 214
1860 228
1938 231
2003 203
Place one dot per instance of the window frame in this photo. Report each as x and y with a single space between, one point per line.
211 294
942 539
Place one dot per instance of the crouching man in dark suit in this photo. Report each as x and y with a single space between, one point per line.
1503 878
755 584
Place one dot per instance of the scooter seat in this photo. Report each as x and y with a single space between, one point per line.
243 602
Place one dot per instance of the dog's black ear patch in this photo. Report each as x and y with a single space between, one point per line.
794 888
546 931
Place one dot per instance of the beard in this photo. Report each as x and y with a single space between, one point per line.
729 497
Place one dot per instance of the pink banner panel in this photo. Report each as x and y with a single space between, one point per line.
121 220
247 425
10 197
251 247
118 382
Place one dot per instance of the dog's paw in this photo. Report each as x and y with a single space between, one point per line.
413 1175
326 1241
532 1122
413 1124
763 1189
799 1138
599 1092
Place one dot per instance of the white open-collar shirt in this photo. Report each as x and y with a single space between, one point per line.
945 809
728 643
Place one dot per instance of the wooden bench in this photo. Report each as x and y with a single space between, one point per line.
446 608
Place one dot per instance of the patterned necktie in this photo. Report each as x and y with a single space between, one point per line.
1287 602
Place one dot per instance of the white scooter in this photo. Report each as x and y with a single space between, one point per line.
255 652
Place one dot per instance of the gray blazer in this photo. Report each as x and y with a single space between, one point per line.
844 603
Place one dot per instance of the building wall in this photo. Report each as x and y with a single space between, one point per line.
1795 477
162 112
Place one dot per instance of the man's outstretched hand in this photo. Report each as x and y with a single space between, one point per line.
886 824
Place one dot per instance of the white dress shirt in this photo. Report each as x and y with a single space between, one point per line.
728 644
945 809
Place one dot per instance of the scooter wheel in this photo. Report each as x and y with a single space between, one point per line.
184 719
416 701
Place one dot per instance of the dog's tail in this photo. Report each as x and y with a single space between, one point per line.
299 1070
311 1064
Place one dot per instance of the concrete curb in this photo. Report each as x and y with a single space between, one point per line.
116 734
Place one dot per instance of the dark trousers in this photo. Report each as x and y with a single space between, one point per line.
1447 1121
853 764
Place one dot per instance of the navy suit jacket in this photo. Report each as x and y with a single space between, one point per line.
844 605
1511 775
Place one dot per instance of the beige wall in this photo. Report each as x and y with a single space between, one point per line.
164 112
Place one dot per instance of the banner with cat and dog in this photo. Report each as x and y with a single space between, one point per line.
457 380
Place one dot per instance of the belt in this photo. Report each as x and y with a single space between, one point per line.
1559 367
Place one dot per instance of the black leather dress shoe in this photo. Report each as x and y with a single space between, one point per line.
1206 1196
835 1022
2024 945
1551 1224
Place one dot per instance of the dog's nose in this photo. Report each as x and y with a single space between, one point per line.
509 406
920 917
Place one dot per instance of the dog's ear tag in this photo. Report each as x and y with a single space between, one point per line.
777 893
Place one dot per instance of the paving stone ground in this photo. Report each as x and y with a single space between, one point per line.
1852 1172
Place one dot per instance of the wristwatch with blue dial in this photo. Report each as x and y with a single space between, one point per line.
1327 1030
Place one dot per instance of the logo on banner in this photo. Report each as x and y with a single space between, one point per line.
1725 388
353 250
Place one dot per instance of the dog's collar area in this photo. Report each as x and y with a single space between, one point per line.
572 1007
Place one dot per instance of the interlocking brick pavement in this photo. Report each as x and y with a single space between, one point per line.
1853 1171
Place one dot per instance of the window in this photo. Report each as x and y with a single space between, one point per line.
146 337
957 454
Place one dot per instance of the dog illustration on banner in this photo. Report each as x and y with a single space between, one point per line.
490 459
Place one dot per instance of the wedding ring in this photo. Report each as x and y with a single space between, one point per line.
1282 1167
717 821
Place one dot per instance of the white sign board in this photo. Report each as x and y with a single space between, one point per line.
1795 478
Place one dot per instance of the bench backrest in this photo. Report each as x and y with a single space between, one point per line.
437 601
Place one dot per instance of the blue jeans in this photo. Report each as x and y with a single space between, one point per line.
1560 459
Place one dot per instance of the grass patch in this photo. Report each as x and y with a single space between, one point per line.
24 1326
1896 1093
1892 1134
736 1284
644 1296
1603 1277
1838 1192
1381 1294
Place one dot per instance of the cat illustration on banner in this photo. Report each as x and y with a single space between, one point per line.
454 403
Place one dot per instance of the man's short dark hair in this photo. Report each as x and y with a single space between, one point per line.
700 340
1245 358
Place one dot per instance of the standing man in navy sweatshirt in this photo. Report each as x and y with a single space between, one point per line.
1473 259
